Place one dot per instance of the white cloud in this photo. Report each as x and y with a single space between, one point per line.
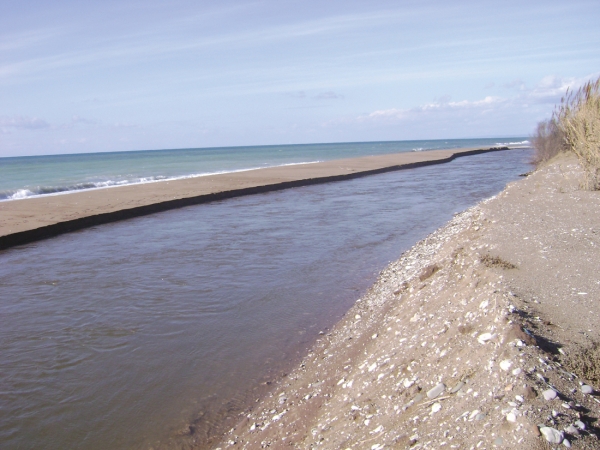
441 106
545 94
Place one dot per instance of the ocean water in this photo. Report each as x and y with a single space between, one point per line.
22 177
149 333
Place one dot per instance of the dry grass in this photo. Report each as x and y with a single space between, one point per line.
548 141
578 118
586 364
574 127
496 261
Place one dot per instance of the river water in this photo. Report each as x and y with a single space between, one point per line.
149 333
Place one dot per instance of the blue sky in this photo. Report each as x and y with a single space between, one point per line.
88 76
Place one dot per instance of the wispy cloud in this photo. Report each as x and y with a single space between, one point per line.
22 123
328 95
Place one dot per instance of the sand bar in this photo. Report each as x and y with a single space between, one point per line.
28 220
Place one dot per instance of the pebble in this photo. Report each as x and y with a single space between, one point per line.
480 416
436 391
566 443
517 371
511 417
552 435
457 388
572 430
499 441
473 414
435 408
579 424
549 394
587 389
505 365
483 338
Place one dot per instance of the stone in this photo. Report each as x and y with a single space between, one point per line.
505 365
480 416
572 430
499 441
549 394
435 408
579 424
552 435
511 417
436 391
457 388
484 337
566 443
587 389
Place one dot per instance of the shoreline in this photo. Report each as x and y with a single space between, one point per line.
480 336
32 219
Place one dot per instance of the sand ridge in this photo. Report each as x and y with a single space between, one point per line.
28 220
468 341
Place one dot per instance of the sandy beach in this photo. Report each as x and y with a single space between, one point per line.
483 335
28 220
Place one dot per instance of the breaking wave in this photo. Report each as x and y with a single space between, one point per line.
38 191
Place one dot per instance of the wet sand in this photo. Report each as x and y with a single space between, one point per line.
28 220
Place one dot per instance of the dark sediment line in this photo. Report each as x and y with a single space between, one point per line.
48 231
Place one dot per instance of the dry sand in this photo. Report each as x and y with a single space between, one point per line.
27 220
481 336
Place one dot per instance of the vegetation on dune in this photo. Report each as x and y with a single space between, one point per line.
574 127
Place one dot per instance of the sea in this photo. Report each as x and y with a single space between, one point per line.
29 176
158 331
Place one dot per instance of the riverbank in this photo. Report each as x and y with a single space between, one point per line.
31 219
481 336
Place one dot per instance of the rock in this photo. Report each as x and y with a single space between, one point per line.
436 391
549 394
484 337
566 443
530 393
458 387
579 424
572 430
428 271
552 435
587 389
473 414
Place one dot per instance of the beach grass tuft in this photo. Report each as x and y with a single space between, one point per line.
574 127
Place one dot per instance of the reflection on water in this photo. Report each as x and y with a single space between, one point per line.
149 332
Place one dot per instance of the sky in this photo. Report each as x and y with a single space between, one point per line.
89 76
